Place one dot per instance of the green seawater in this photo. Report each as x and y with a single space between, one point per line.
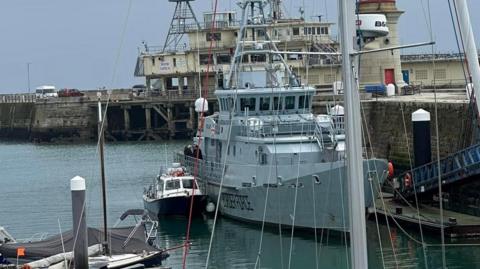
35 197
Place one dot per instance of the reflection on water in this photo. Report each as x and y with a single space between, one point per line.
34 189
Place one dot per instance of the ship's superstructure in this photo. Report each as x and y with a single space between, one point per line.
264 151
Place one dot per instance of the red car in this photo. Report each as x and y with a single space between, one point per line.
69 93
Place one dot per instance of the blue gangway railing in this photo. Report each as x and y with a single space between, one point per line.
454 168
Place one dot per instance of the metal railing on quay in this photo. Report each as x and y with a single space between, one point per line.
18 98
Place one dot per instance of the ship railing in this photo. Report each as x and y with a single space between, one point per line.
18 98
205 169
319 135
280 129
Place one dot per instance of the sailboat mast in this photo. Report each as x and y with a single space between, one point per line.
101 137
470 47
358 238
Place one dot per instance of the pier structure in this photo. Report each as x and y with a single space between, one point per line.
152 118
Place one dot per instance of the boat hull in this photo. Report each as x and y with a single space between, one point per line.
316 199
179 205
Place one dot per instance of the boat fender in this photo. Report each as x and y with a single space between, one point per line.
390 169
407 180
210 207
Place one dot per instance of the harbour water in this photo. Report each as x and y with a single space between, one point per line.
35 198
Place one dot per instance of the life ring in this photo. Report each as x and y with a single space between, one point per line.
407 180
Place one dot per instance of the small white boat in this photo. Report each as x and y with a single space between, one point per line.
172 192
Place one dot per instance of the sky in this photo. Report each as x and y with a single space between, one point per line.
94 43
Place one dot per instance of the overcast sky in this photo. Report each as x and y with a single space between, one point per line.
74 44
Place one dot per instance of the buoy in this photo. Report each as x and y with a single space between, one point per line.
390 169
210 207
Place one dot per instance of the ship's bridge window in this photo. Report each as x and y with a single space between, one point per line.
264 103
248 102
172 185
276 103
290 102
303 101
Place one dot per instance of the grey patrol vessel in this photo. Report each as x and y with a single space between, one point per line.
272 160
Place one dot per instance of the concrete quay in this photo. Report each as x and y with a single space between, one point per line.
172 115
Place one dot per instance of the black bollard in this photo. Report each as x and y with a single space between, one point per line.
80 252
422 148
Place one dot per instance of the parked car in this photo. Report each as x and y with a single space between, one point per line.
46 91
69 93
139 90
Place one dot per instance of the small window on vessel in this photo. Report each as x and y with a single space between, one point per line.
296 31
264 103
187 183
303 101
172 185
290 102
247 102
276 103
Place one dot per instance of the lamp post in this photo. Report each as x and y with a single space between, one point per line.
28 76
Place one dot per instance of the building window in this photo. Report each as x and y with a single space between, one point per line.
174 62
324 30
440 74
258 58
214 36
305 31
309 30
290 102
223 59
296 31
421 74
328 78
318 31
264 103
204 58
294 57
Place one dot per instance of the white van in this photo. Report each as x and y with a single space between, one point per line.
46 92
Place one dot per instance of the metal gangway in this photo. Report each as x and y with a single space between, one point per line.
454 168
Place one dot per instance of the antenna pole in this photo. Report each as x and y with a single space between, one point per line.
101 138
358 238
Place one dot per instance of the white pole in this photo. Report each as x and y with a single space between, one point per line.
470 47
358 238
